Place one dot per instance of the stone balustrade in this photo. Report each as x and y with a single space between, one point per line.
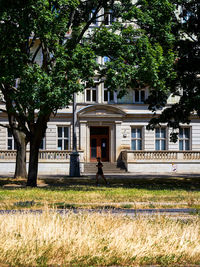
164 156
161 161
44 155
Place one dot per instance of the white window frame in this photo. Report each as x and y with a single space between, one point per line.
13 144
109 96
140 101
91 94
184 139
109 17
160 139
137 138
63 138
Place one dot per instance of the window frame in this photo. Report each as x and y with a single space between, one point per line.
140 96
184 139
110 18
63 138
141 139
13 144
91 94
108 96
161 138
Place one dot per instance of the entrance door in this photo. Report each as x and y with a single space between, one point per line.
99 143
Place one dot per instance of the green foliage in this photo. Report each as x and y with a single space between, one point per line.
186 85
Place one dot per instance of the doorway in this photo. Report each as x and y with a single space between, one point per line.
99 143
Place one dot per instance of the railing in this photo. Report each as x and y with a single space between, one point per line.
191 155
44 155
8 155
167 156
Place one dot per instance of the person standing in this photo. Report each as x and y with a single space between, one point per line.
100 172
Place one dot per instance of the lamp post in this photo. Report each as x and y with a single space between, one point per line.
74 156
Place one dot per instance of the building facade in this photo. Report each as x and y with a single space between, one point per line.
113 129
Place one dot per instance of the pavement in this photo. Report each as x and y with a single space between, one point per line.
175 212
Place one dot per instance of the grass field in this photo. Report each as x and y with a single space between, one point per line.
86 239
82 192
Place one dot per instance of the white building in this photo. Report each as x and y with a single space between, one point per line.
115 130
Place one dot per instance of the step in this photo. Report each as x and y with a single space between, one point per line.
108 167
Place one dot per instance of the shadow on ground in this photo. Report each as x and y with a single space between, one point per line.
87 183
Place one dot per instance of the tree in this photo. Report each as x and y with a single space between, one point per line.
43 88
186 84
137 58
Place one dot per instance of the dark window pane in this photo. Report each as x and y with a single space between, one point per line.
59 144
139 143
15 145
59 131
181 145
87 95
163 146
42 144
111 96
139 133
66 144
66 131
157 145
142 96
94 95
157 133
9 133
187 145
187 133
93 148
133 133
9 144
133 144
99 130
103 147
163 133
105 95
136 96
91 15
106 18
181 133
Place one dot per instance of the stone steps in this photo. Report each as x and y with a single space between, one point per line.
108 167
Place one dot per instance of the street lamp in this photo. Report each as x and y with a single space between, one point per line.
74 156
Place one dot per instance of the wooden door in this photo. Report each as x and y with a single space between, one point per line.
99 147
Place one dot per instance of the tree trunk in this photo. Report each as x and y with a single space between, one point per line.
20 166
33 164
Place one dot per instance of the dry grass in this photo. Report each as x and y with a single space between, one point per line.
97 239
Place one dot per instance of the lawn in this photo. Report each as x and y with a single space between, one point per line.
65 192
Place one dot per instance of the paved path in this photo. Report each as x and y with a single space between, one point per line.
114 211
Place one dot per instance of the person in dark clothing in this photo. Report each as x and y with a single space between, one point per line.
100 172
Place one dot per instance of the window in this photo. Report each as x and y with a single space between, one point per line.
91 95
108 96
108 17
63 138
139 96
43 144
91 15
105 59
136 139
160 138
184 139
11 145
